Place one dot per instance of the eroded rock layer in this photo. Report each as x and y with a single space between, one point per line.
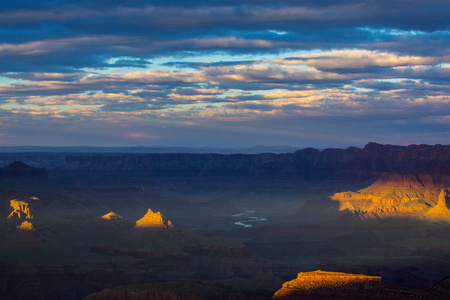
156 220
395 194
112 216
333 285
440 212
20 210
368 162
26 226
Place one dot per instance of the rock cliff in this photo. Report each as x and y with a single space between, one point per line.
23 178
21 171
26 226
112 216
155 220
331 285
368 162
395 194
21 210
440 212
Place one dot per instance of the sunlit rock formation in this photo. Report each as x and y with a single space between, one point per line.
112 216
440 212
336 285
321 279
156 220
395 194
20 210
26 226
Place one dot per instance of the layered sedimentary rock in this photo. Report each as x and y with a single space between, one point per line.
396 194
336 285
323 279
368 162
155 220
112 216
21 210
28 226
440 212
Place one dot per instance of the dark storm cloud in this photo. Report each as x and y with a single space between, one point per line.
247 14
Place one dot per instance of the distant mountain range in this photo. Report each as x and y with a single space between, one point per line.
144 149
351 163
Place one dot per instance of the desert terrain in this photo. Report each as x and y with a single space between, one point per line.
231 226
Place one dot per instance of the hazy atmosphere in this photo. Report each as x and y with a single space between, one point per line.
224 73
236 150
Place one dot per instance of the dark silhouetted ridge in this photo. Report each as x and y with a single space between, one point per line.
351 163
21 171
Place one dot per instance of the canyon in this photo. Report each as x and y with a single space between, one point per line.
76 224
368 162
422 195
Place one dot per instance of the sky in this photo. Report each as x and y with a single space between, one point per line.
224 73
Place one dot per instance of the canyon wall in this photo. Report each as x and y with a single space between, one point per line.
366 163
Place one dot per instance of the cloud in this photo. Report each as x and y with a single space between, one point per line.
437 119
35 111
54 45
357 59
137 135
221 66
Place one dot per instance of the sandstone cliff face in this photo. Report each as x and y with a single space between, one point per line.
332 285
21 213
397 194
154 220
321 279
112 216
20 210
440 212
26 226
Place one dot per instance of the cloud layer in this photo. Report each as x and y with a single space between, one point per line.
224 73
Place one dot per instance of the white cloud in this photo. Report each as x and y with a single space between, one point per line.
358 59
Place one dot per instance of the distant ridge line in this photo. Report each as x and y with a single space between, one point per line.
150 149
309 163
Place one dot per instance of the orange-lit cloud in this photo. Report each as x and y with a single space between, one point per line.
173 69
135 135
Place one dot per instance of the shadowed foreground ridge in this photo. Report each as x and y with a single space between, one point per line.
183 289
330 285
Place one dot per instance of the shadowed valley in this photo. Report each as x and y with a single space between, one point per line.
209 226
